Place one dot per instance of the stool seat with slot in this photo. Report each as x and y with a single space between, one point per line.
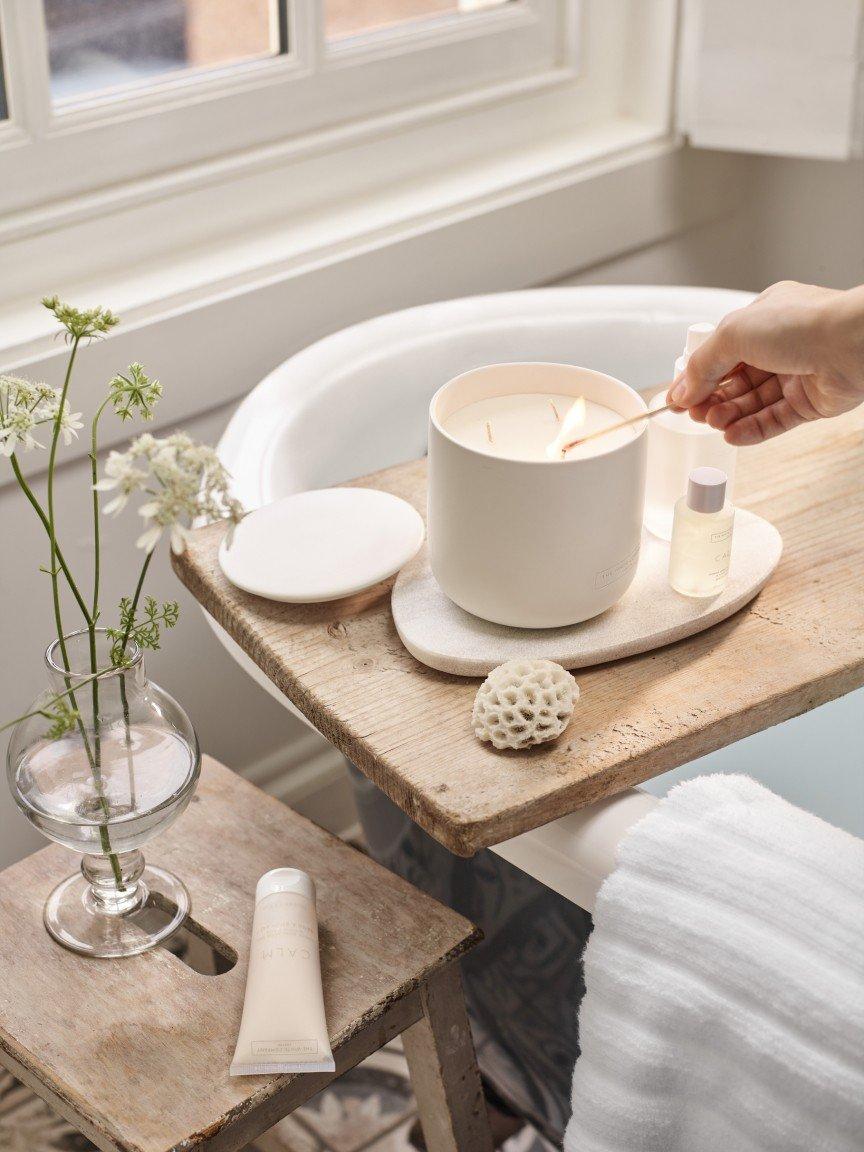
135 1052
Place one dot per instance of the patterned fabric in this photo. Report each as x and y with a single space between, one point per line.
524 983
369 1109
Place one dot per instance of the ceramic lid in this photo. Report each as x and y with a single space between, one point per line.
322 545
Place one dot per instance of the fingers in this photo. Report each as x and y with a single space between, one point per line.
736 402
742 381
763 425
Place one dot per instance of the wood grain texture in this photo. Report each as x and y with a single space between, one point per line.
135 1052
798 645
440 1053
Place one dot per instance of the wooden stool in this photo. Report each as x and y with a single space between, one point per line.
135 1052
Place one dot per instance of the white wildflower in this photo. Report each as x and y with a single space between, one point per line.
16 432
184 480
121 473
70 424
24 406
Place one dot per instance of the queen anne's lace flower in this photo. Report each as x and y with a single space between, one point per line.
25 405
121 473
81 323
133 391
185 480
70 424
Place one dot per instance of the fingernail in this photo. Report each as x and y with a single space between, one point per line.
678 392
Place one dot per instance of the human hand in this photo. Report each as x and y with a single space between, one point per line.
795 354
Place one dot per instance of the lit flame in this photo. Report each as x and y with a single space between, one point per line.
569 429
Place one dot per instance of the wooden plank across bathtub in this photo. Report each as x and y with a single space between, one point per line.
798 645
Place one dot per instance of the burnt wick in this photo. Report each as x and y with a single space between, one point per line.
489 432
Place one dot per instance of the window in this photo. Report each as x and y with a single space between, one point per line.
95 45
354 17
164 152
102 92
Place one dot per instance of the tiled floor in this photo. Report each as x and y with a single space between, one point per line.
370 1109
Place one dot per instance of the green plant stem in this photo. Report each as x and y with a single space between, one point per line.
43 711
124 642
95 763
94 611
134 605
127 733
94 459
37 507
52 530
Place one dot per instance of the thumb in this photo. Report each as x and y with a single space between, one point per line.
711 364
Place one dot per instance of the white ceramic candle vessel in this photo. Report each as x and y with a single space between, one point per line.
517 537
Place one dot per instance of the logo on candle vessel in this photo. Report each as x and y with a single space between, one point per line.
573 421
617 571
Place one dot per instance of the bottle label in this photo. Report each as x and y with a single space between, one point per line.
724 534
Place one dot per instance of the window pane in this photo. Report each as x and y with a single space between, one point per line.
99 44
353 17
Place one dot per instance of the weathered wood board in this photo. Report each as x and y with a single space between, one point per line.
798 645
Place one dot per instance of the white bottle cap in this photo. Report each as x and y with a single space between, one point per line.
697 334
706 490
285 880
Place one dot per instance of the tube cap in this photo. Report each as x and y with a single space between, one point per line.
285 880
706 490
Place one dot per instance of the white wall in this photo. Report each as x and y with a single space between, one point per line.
797 219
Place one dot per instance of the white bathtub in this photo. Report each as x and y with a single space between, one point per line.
357 401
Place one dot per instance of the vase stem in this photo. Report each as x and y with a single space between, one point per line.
108 895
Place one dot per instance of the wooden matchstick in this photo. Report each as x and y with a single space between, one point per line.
644 416
614 428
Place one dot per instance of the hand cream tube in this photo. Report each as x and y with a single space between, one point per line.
283 1027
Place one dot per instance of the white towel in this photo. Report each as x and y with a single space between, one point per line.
725 995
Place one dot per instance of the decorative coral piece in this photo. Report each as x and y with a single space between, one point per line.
524 702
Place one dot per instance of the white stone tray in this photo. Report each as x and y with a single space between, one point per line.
649 615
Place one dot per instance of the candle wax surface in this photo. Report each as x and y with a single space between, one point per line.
521 426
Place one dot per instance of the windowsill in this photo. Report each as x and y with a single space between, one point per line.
184 278
215 316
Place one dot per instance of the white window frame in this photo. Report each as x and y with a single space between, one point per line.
516 173
198 116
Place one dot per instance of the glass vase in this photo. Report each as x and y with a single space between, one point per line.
123 771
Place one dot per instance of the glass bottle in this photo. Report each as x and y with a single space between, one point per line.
123 771
701 535
677 445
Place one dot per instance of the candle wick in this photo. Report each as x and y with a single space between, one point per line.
555 410
489 432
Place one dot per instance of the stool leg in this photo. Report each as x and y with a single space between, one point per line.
443 1068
